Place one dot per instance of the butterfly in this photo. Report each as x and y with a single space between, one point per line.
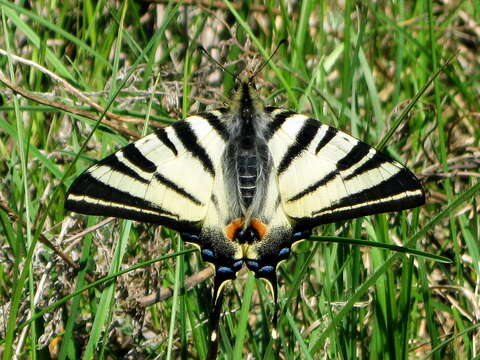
244 183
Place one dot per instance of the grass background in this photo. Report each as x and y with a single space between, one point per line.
134 65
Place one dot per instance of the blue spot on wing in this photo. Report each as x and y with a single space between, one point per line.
188 237
237 265
266 269
207 253
225 270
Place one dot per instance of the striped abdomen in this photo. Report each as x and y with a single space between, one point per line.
247 175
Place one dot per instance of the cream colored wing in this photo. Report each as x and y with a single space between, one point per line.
164 178
325 175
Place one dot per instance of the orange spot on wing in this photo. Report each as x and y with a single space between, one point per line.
260 227
231 229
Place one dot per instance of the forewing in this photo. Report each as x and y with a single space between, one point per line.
325 175
164 178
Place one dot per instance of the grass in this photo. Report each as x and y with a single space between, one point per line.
355 66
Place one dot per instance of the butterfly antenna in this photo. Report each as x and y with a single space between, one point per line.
282 42
202 49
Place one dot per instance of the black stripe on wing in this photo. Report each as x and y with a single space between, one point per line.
94 189
85 207
374 162
303 139
215 123
164 139
132 154
347 214
177 189
115 164
402 182
355 155
189 139
315 186
329 135
277 123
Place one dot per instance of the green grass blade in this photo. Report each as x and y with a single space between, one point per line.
243 318
360 242
105 305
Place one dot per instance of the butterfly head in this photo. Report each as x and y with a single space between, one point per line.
246 99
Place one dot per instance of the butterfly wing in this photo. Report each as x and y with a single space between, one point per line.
321 175
151 180
174 177
325 175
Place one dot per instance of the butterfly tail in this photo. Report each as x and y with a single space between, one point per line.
214 318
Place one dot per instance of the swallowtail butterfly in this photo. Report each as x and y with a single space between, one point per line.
244 183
